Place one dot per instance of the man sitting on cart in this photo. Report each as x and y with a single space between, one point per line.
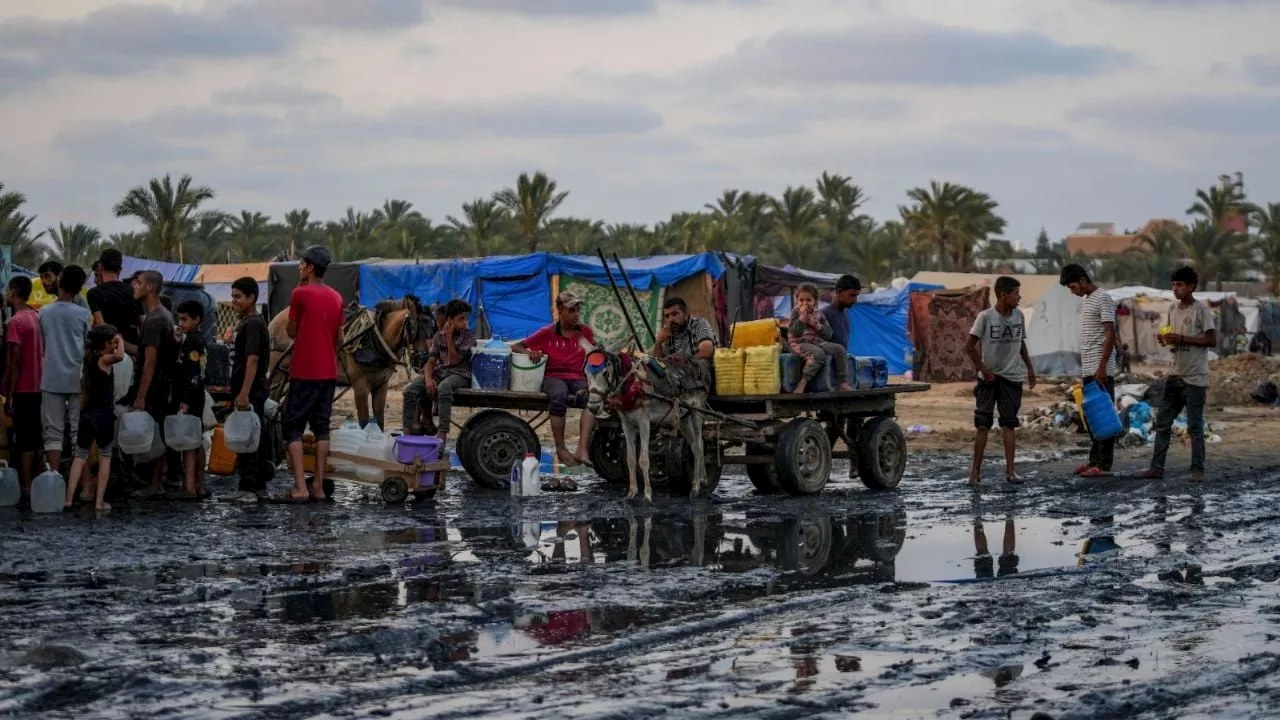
565 344
685 337
448 368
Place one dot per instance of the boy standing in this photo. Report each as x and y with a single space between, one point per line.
998 349
249 381
154 369
64 325
188 388
1097 355
1186 385
21 382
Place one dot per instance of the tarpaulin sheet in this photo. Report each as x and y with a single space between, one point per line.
432 282
516 308
171 272
878 326
664 270
343 277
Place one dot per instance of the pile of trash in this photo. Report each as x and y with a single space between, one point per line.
1134 401
1243 380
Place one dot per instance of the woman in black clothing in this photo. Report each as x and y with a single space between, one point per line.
103 349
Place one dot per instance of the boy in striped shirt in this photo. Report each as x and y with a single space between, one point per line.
1097 354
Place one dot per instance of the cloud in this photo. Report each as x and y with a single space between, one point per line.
273 94
552 9
517 117
756 119
1262 69
909 54
340 14
1212 114
133 38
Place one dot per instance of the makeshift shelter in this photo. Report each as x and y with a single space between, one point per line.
217 279
515 295
1141 312
171 272
283 278
1052 316
951 314
878 326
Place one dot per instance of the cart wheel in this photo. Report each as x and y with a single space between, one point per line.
394 490
764 477
468 430
882 453
607 451
880 537
805 545
803 457
676 460
499 441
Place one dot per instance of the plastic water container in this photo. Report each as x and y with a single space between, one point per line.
183 432
375 447
242 432
754 333
862 374
221 460
137 431
526 477
372 431
411 449
122 376
155 450
526 375
760 370
730 365
10 488
348 438
48 492
1100 412
881 367
491 366
208 420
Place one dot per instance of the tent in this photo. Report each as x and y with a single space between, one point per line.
878 326
172 272
283 278
1052 315
217 279
1142 311
515 293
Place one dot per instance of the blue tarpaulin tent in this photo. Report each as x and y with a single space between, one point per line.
172 272
878 324
515 291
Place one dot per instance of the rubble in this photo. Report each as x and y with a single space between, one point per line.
1232 379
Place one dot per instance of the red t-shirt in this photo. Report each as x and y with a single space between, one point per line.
24 330
565 356
317 309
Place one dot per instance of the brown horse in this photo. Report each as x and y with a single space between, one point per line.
368 358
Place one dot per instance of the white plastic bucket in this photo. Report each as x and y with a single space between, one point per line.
527 376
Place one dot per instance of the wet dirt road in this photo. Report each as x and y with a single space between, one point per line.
1070 598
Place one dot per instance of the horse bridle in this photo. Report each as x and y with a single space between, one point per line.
613 363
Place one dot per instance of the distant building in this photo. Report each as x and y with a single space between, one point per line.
1100 239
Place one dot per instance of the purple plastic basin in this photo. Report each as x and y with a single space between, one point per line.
419 448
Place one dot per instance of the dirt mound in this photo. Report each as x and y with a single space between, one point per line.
1232 379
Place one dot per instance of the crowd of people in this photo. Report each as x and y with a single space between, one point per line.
997 347
59 382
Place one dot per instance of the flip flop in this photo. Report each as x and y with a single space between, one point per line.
1094 472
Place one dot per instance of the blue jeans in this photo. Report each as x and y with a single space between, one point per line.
1178 395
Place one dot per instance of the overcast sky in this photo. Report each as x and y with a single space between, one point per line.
1088 110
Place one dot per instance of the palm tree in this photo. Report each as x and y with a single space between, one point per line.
129 243
399 229
15 231
166 212
795 226
841 200
531 202
250 237
575 236
1267 221
482 227
1200 244
1159 247
951 219
351 238
874 254
76 244
296 223
630 240
206 237
1220 205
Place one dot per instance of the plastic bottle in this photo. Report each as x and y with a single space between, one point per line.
372 431
10 489
348 438
242 432
530 476
48 492
919 429
182 432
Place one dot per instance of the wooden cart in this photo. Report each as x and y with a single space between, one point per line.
398 480
788 446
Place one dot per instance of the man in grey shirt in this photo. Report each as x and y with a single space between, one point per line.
845 296
63 328
1191 333
998 349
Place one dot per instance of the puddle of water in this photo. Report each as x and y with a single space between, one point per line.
990 550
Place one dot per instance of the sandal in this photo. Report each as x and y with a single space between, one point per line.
1013 479
1082 469
1094 472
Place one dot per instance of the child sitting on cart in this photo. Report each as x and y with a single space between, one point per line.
448 368
810 337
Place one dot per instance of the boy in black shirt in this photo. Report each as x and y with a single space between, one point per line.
188 387
111 300
249 382
152 388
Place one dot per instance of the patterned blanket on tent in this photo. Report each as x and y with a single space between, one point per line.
601 311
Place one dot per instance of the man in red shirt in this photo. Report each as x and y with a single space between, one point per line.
565 344
315 324
21 384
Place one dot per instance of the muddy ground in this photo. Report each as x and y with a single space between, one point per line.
1064 597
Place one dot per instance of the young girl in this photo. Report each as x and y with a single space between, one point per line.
103 349
810 336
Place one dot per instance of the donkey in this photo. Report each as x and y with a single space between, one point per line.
622 384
